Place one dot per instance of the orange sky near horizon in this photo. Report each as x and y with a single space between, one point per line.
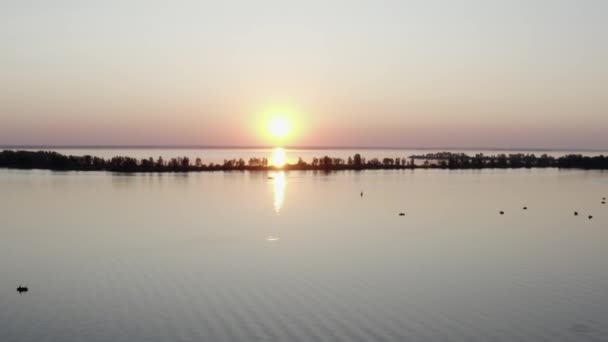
487 74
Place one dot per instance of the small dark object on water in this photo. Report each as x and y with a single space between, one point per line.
502 212
590 217
401 214
525 208
361 193
603 202
576 213
22 289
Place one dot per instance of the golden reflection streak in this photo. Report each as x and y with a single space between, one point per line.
279 183
279 157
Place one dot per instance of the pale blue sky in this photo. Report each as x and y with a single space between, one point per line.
355 73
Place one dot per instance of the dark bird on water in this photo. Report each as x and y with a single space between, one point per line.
22 289
401 214
361 193
525 208
590 217
576 213
502 212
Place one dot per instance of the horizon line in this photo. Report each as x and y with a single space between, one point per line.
252 147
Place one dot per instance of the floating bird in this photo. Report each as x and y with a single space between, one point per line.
576 213
603 202
525 208
22 289
502 212
590 217
401 214
361 193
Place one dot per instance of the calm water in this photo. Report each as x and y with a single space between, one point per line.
300 256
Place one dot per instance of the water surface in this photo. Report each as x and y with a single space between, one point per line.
301 256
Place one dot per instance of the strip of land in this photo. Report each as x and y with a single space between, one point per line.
50 160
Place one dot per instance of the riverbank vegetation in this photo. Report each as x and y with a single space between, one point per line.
50 160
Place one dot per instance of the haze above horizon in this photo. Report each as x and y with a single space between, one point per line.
316 74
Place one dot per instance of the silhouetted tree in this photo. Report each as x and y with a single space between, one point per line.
374 162
357 160
185 163
56 161
388 161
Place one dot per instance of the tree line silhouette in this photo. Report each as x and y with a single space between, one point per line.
50 160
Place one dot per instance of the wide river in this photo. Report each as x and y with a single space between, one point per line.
302 256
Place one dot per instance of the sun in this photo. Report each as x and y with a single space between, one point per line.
279 127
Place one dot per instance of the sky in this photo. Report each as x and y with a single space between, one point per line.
491 74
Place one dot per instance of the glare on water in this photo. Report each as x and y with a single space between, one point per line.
278 157
279 183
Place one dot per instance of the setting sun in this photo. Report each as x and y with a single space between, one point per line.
279 127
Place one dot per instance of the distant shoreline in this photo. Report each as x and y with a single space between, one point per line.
50 160
220 147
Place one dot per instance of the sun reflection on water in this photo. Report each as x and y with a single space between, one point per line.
279 157
279 182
